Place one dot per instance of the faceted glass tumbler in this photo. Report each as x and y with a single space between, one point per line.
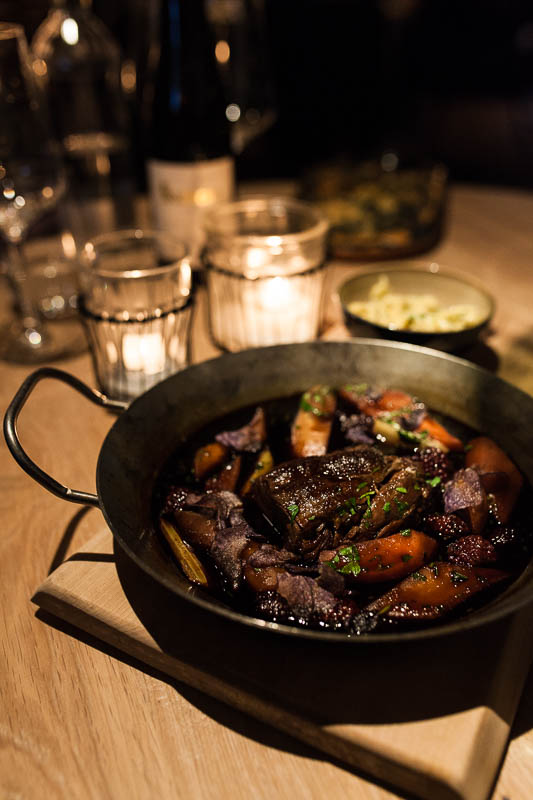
136 303
265 268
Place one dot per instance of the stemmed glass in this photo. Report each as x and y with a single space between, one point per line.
32 181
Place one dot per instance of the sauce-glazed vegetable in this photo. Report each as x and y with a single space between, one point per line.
351 509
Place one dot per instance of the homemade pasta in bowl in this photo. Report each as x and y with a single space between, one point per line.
422 306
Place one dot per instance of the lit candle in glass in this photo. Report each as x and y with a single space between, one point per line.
265 262
137 308
144 352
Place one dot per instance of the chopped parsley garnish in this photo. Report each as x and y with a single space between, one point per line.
362 485
458 577
418 576
406 557
401 505
386 507
349 506
401 489
312 518
346 560
405 532
366 495
314 402
411 436
358 388
385 609
467 447
293 510
408 435
434 481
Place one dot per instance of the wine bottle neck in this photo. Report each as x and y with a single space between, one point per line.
189 106
185 31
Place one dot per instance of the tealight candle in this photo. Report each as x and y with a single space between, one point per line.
144 352
264 260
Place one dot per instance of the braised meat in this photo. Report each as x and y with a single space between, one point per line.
392 504
311 501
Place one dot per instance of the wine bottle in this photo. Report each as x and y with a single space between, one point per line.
190 166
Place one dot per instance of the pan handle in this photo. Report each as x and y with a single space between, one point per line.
18 452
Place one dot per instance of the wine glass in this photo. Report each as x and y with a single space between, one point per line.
32 182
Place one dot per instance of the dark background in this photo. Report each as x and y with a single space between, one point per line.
448 79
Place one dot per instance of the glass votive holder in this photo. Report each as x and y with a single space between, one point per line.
264 262
136 303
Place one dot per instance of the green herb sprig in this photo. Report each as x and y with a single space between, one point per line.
346 560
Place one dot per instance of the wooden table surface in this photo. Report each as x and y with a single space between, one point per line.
79 721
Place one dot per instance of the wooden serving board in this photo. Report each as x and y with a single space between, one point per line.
431 719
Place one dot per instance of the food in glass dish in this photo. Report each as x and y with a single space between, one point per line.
353 509
379 208
422 313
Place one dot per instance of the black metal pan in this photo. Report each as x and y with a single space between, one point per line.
152 427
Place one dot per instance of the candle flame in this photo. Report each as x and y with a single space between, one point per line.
143 352
276 294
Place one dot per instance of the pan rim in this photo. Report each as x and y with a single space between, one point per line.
496 610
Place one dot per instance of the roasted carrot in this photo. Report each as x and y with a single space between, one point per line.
387 559
490 459
434 590
356 395
198 530
263 578
372 404
209 458
439 432
311 428
394 400
227 478
264 464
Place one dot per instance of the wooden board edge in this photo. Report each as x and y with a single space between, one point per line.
372 764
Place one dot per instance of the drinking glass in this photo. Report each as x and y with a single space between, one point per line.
77 63
136 303
32 182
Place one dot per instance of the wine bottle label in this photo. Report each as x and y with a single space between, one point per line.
181 194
